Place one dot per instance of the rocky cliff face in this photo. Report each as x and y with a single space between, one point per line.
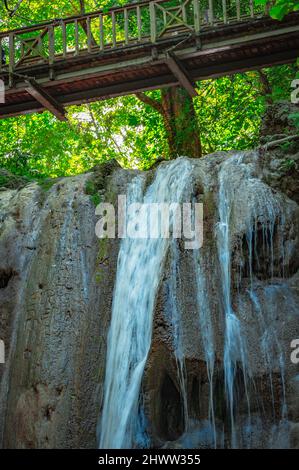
254 343
56 291
218 372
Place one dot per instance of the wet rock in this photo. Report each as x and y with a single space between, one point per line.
56 289
55 302
278 121
10 181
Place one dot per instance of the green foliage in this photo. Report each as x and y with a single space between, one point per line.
10 181
228 110
288 165
92 190
279 8
295 118
46 183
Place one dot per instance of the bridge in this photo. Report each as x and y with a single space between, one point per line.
138 47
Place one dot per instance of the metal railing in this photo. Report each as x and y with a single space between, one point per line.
132 24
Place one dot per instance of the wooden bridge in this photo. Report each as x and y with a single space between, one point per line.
138 47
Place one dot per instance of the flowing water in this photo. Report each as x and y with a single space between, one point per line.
207 333
251 222
220 371
234 344
176 325
140 264
263 223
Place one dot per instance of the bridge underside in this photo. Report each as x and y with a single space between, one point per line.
99 74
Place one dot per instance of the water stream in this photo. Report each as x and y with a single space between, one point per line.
250 229
234 343
140 264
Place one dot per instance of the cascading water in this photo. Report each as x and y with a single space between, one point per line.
273 296
261 219
176 324
265 226
140 264
251 252
234 345
207 334
237 295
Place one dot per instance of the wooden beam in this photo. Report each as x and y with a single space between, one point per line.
119 89
214 70
179 71
41 95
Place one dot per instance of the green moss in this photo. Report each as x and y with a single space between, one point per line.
97 183
209 211
287 165
92 190
90 187
10 181
97 187
47 183
101 258
209 203
3 181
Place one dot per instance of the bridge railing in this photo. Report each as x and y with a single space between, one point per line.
132 24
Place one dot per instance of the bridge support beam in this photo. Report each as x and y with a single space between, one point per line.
179 71
45 99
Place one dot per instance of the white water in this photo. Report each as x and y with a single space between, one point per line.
271 348
234 344
207 334
239 189
246 206
140 264
176 324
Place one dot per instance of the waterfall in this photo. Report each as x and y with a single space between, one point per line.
200 347
234 344
251 252
176 324
271 348
247 205
207 334
139 268
265 228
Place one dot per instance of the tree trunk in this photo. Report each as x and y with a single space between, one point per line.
266 86
178 113
181 123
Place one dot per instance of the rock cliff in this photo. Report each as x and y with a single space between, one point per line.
56 290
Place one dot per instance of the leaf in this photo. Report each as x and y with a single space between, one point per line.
279 11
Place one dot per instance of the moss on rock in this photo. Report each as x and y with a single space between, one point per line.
11 181
97 183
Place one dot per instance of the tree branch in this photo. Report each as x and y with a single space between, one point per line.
276 143
150 101
12 12
82 7
81 11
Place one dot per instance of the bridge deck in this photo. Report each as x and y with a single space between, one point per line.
137 47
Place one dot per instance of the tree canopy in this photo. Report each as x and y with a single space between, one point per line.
228 111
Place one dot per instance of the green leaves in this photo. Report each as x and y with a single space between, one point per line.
280 7
279 11
228 110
